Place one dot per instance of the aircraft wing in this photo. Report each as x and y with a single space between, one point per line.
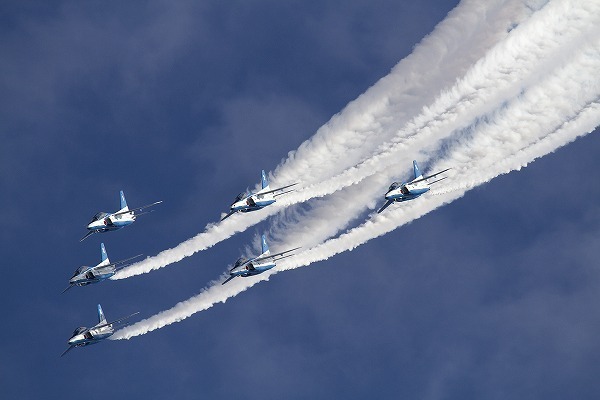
86 235
274 256
228 279
68 287
278 189
386 205
138 208
67 350
116 321
229 214
430 176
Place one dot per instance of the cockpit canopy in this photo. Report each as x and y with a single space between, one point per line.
78 330
395 185
240 196
79 270
99 216
240 261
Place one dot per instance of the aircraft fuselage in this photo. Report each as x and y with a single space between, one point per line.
110 222
92 275
90 336
251 268
253 202
406 191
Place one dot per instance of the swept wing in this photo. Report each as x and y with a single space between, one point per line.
386 205
138 208
278 189
430 176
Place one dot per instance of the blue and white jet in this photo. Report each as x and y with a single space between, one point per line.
105 222
83 336
265 261
248 201
399 192
85 275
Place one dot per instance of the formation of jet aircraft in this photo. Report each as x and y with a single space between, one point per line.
243 267
106 222
248 201
83 336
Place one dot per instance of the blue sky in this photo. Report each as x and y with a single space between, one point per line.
492 296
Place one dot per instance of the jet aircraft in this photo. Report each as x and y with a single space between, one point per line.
248 201
399 192
83 336
85 275
248 267
105 222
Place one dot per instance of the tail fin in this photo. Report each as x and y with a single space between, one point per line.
265 182
123 201
265 248
418 173
101 317
103 251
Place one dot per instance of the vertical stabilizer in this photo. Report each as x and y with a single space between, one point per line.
418 173
101 317
103 251
264 181
123 202
265 248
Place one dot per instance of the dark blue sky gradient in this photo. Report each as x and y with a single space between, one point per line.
493 296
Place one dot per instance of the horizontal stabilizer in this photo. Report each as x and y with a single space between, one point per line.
281 188
138 208
282 193
228 279
386 205
125 260
430 176
431 183
116 321
286 256
145 212
275 256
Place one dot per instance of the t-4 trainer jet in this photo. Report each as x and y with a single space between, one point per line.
83 336
248 267
85 275
104 222
398 192
248 201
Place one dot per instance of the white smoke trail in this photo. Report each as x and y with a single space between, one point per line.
512 66
553 113
521 123
584 123
463 37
